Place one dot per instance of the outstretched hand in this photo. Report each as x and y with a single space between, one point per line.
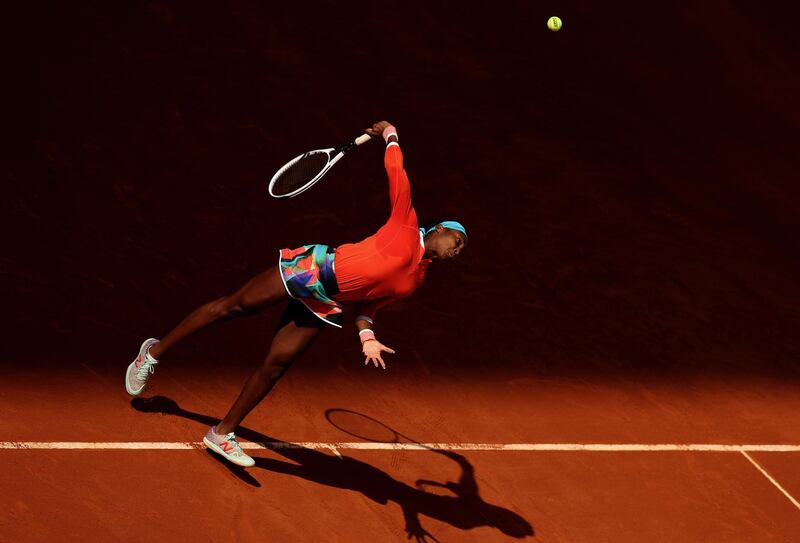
373 349
376 131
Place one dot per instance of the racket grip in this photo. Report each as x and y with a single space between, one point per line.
363 138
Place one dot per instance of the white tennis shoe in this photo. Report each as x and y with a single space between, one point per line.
227 447
140 369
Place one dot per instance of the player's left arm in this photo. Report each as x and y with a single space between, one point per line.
370 346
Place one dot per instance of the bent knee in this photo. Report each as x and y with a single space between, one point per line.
277 363
230 307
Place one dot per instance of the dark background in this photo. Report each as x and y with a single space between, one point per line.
629 183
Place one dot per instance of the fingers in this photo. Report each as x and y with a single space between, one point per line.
375 359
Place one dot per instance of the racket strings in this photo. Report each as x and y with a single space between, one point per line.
300 173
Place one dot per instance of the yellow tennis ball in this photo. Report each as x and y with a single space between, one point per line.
554 24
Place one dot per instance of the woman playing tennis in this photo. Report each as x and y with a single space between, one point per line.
315 280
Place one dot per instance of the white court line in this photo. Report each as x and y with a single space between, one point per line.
334 446
771 480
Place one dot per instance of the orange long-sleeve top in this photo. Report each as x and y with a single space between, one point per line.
388 264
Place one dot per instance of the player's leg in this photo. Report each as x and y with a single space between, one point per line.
260 292
297 330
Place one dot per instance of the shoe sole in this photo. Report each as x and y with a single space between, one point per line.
217 449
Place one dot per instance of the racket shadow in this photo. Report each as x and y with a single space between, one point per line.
464 509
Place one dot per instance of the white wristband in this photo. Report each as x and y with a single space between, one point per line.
388 132
365 335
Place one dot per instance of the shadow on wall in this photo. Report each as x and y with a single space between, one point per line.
464 510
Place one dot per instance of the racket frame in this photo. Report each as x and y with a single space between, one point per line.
335 154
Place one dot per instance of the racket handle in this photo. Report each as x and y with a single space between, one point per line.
363 138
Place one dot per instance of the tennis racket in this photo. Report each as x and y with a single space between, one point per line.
301 173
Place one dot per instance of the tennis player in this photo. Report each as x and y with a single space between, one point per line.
315 280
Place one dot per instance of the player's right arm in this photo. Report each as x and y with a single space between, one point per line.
399 185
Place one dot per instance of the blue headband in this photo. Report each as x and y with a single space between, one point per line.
452 225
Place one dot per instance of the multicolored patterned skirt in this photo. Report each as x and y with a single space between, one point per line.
308 276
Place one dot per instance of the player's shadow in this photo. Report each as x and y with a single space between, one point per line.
464 509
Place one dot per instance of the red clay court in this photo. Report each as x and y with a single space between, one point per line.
613 359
